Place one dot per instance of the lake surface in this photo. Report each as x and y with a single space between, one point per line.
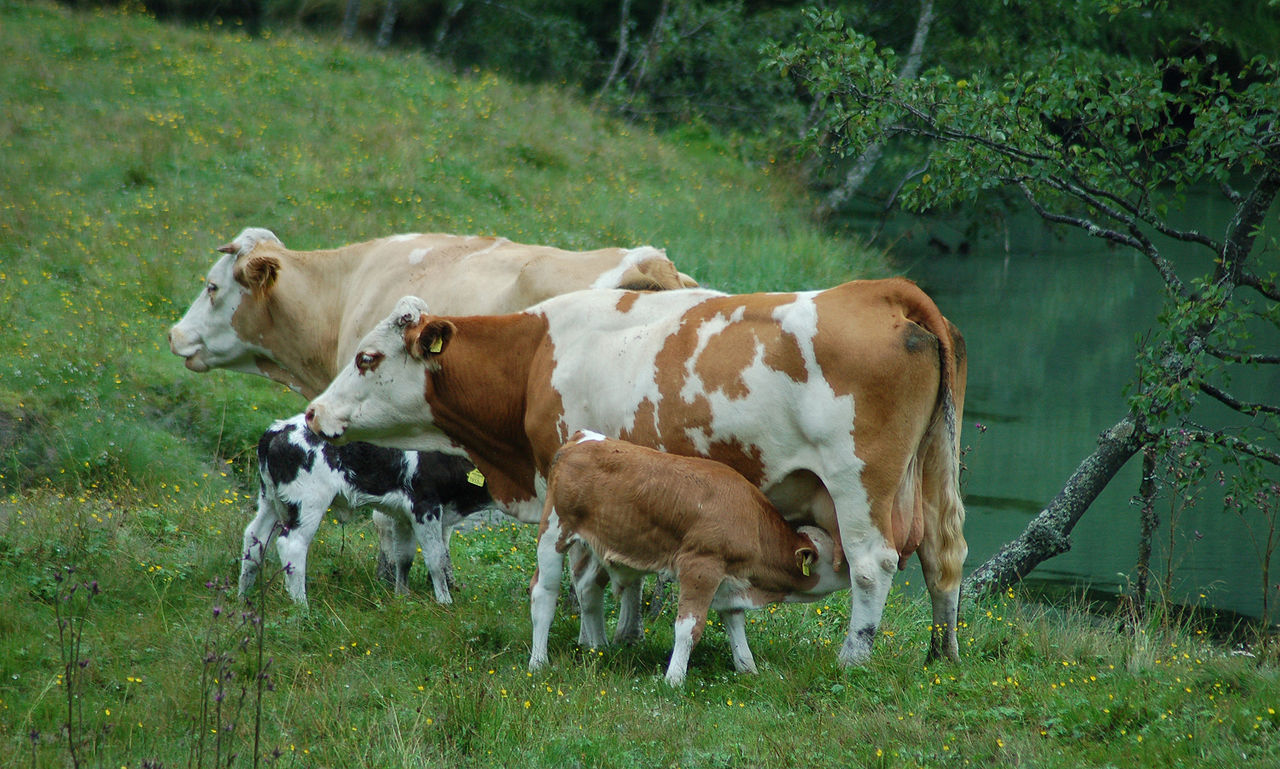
1051 325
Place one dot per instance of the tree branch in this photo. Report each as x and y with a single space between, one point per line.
1243 228
1268 288
1231 356
1049 533
1135 239
1201 435
1230 401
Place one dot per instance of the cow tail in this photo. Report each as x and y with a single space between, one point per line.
939 451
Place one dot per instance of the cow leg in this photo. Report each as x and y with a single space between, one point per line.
393 561
397 543
943 583
256 535
450 516
589 579
293 543
545 590
427 529
630 627
735 626
698 584
872 562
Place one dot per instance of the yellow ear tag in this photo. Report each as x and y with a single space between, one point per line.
804 565
475 477
436 345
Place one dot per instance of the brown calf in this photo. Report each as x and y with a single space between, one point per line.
640 511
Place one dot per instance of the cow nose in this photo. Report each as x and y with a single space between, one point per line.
315 419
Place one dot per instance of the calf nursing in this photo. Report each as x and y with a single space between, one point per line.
640 511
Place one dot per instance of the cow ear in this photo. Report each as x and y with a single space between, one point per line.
428 337
634 279
806 557
229 248
257 273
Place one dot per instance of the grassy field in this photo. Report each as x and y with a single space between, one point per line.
128 151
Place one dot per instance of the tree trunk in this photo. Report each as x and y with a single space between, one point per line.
388 24
623 48
350 19
451 12
863 166
1147 493
1049 533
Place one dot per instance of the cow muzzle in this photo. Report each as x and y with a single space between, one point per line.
325 424
190 350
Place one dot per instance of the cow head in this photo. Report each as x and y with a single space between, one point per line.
819 557
214 332
380 395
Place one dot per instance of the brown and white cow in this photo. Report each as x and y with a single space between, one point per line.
296 316
640 511
841 402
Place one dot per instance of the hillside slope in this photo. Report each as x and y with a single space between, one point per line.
131 149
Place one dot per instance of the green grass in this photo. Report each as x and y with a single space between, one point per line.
129 150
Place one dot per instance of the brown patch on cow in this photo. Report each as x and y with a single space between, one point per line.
644 430
722 362
543 413
626 301
732 350
783 354
869 344
479 404
747 460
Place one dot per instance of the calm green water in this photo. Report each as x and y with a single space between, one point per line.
1051 326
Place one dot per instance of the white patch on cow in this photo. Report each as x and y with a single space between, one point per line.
404 236
735 626
545 590
418 254
588 437
681 649
523 510
630 258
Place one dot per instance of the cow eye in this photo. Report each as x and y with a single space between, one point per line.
367 361
211 289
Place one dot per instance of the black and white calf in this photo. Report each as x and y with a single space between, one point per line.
421 494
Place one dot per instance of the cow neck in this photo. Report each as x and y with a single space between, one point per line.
303 326
478 396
